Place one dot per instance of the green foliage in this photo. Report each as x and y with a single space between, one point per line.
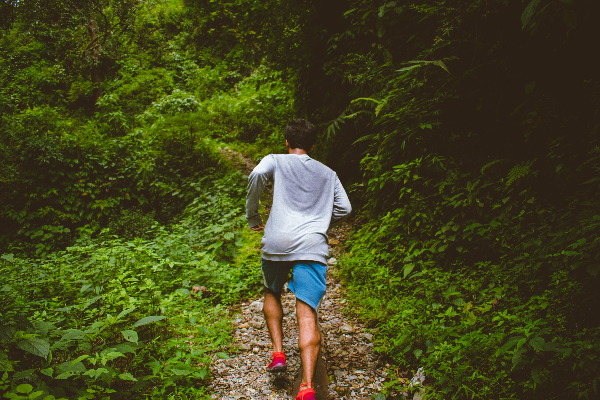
478 186
131 224
110 317
69 161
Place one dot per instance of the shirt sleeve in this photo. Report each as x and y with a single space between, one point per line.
341 204
257 180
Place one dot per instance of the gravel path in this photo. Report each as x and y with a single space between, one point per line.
352 365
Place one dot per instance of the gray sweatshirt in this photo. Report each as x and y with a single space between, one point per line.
308 198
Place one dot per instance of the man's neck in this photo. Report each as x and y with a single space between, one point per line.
297 151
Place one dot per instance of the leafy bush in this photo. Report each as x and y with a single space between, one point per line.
116 318
131 224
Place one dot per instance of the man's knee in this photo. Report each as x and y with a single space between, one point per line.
270 292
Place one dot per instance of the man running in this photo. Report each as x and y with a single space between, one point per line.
308 198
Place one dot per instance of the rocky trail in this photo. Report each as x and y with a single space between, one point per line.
354 369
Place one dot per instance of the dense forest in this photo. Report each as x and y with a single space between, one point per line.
465 132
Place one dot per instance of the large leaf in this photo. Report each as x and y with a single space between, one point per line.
509 344
24 388
44 327
8 257
537 343
536 373
130 336
148 320
35 346
7 332
127 377
68 366
556 347
518 359
529 11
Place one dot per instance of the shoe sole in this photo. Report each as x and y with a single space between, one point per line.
277 369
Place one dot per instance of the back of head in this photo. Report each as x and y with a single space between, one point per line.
300 134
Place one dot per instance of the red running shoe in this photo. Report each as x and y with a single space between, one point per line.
306 394
278 364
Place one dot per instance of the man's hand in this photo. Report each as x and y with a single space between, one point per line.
258 228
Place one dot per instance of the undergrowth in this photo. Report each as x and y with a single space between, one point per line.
116 318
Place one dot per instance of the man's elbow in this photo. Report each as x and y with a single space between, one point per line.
347 209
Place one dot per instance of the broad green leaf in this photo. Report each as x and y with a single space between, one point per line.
127 377
408 269
222 355
418 353
529 11
536 373
44 327
148 320
517 358
24 388
7 333
35 395
47 372
458 302
509 344
8 257
127 347
95 373
68 366
203 372
593 269
559 167
130 336
68 374
556 347
35 346
441 64
182 371
537 343
22 374
111 355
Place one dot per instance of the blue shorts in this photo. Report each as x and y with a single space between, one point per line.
307 282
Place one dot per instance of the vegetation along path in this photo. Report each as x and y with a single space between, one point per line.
467 137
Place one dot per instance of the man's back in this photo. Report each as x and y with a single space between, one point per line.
307 198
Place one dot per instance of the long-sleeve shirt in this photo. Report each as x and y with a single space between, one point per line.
308 198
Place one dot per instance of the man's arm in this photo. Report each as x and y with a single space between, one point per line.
341 204
256 184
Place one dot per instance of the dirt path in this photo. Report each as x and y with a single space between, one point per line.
355 372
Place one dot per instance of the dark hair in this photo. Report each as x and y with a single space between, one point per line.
300 134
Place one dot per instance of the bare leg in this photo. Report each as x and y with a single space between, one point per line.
273 312
310 339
